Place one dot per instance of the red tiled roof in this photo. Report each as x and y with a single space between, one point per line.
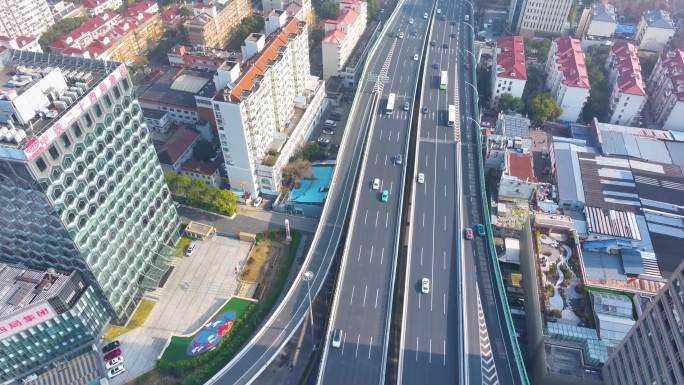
334 36
628 68
511 57
202 5
93 3
347 16
673 61
137 8
257 65
570 59
88 27
22 41
177 144
170 13
200 167
520 166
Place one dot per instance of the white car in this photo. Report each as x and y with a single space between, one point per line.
415 57
257 202
337 338
114 362
467 17
425 286
421 178
401 35
190 249
376 184
411 21
425 15
115 371
439 11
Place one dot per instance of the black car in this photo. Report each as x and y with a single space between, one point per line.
110 346
432 43
445 46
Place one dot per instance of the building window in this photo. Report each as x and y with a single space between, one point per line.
65 141
40 163
53 152
108 101
77 130
98 110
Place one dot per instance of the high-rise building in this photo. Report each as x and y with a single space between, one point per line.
652 351
46 316
510 74
213 23
25 17
666 90
567 77
544 17
80 184
629 90
265 110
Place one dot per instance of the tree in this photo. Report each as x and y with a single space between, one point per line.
328 10
294 171
508 103
203 150
537 49
373 8
599 93
316 35
484 84
647 61
542 108
534 84
60 28
185 12
248 25
311 152
224 202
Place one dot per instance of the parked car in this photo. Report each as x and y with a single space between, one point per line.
424 110
467 17
330 123
435 65
323 140
445 45
439 11
433 43
421 178
112 355
468 233
257 202
401 35
115 362
110 346
328 131
115 371
337 338
407 106
480 228
384 197
190 249
425 285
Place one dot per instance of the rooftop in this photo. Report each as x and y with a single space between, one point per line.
603 12
314 189
520 166
21 41
510 58
629 78
642 143
513 126
347 16
200 167
570 60
658 18
83 369
673 63
177 144
179 87
21 287
334 36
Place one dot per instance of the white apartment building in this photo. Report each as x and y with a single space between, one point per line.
258 107
654 31
511 73
96 7
342 35
25 17
628 94
546 17
597 21
666 90
566 76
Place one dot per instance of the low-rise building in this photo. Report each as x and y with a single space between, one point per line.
567 77
207 172
666 90
46 316
62 9
342 36
208 59
655 30
177 149
171 17
96 7
518 182
628 95
598 21
213 23
23 43
510 74
157 120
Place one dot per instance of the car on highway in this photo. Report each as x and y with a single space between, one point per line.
415 57
328 131
398 159
453 35
190 249
467 17
115 371
425 285
115 362
337 338
111 355
468 233
433 43
421 178
111 346
443 17
425 15
407 106
411 21
435 66
424 110
323 140
480 228
439 11
384 196
257 201
445 45
376 184
401 35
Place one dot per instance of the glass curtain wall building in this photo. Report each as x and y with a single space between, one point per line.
80 184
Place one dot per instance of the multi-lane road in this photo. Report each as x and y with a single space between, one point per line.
363 297
431 327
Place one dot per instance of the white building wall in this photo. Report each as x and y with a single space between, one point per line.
544 16
625 108
654 39
675 120
25 17
571 100
502 86
601 28
331 59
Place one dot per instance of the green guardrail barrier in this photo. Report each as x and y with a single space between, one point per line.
488 224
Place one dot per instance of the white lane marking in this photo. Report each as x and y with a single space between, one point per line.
389 138
445 223
358 339
365 291
370 347
382 255
444 254
423 219
359 258
377 214
351 298
377 293
386 219
445 191
421 256
385 159
445 354
430 355
445 158
371 254
444 303
376 158
426 160
416 348
344 340
391 185
419 296
365 217
381 130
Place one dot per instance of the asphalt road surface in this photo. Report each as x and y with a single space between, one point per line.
431 330
363 296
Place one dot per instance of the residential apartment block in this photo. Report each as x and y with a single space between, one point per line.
24 43
267 105
46 317
82 188
652 351
654 31
208 59
301 9
510 74
25 17
543 17
342 35
666 90
566 76
96 7
111 36
628 94
597 21
214 23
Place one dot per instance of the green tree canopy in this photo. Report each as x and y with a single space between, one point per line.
373 8
184 12
311 152
224 202
248 25
328 10
60 28
542 108
537 48
647 61
508 103
203 150
599 93
197 193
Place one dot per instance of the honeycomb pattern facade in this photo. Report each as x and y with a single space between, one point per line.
95 200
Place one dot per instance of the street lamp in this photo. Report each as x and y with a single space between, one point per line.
471 27
473 120
308 276
477 95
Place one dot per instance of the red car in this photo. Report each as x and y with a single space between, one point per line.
111 355
468 233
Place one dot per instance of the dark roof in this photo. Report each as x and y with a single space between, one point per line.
161 92
177 144
153 114
200 167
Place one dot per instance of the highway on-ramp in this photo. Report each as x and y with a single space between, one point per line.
363 296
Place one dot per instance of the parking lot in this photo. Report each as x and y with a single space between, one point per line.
333 134
196 288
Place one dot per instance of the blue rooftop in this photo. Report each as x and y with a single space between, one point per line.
314 189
